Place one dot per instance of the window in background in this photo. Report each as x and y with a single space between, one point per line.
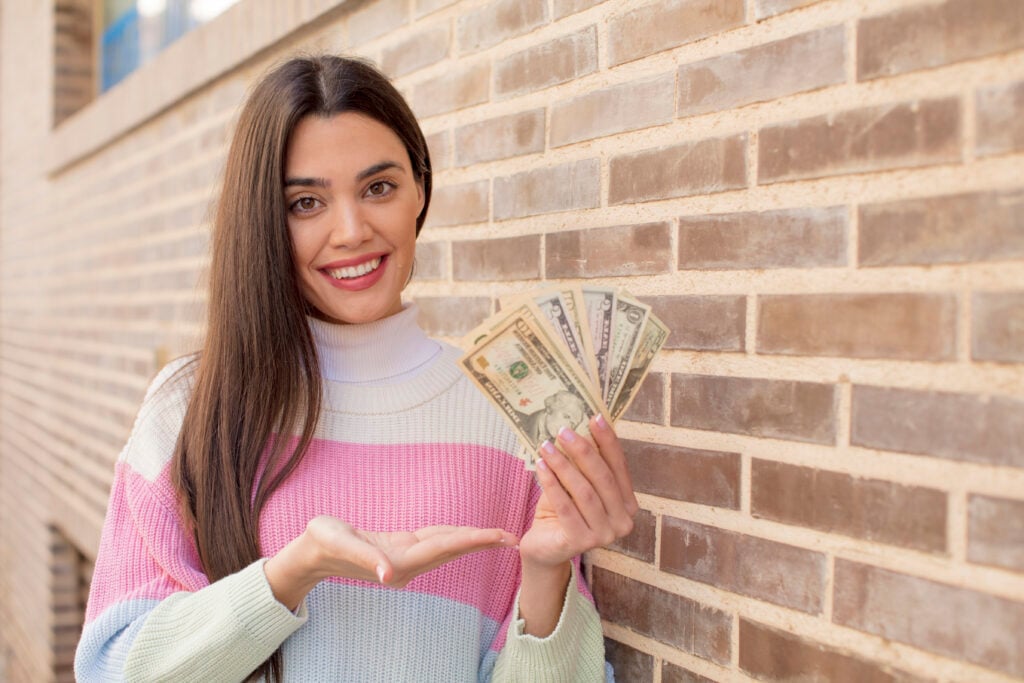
134 31
99 42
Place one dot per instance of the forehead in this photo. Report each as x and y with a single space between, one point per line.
343 144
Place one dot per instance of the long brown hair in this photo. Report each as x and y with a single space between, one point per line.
257 375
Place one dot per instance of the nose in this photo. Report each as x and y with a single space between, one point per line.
350 226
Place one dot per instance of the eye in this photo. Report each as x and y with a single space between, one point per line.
379 188
305 204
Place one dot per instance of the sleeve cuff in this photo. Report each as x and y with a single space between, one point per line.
574 651
219 633
258 611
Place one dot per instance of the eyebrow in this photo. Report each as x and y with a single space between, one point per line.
362 175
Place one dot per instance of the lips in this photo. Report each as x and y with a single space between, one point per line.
349 272
355 274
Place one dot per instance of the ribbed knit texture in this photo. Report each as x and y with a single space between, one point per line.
405 441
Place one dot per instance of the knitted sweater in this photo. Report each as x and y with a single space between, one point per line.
404 441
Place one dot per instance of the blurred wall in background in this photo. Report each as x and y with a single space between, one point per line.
823 199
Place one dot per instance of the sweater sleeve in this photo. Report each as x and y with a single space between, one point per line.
573 652
153 615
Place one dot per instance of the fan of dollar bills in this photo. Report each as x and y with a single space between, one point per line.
557 357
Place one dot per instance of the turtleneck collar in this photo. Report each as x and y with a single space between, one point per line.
386 351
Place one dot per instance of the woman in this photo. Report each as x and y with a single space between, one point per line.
319 495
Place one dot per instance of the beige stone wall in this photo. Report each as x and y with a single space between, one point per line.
824 200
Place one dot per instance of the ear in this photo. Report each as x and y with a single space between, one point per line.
420 197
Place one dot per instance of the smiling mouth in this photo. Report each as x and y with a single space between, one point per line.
352 272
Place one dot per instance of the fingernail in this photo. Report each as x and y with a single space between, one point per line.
566 434
601 423
541 465
380 572
548 447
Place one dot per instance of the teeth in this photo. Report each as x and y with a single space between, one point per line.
355 271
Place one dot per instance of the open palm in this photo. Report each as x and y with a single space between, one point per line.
395 558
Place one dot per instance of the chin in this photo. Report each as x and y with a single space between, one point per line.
358 317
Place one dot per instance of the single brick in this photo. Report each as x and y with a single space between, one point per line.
618 251
692 168
439 145
1000 126
498 21
702 323
995 533
955 622
670 673
375 19
780 574
649 403
767 72
510 258
784 238
640 542
628 663
430 260
930 35
902 135
459 204
872 509
417 51
616 109
984 226
908 326
769 8
669 618
556 61
455 89
687 474
665 24
500 138
452 316
575 185
768 654
779 409
973 428
997 326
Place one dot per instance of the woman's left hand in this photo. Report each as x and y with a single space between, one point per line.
587 500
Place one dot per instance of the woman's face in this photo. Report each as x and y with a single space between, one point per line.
352 205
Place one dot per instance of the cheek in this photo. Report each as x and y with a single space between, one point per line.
304 248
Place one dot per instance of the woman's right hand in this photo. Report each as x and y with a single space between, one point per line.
330 547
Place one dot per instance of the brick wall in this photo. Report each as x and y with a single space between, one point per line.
823 199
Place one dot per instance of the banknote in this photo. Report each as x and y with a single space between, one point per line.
600 307
531 378
555 357
630 317
573 297
651 340
558 309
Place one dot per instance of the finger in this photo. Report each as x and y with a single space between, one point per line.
601 479
468 536
612 452
565 508
440 545
582 495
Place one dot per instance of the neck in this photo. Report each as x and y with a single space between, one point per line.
381 352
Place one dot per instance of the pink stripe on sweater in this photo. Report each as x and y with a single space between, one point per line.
143 554
404 487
